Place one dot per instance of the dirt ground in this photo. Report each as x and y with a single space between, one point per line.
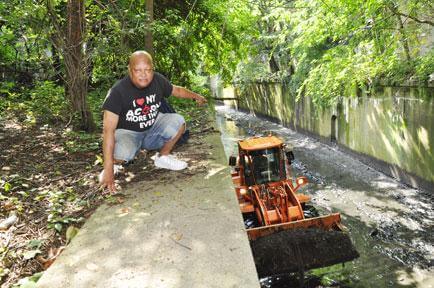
49 185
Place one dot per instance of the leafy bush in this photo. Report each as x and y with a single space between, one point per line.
6 95
79 141
95 99
47 103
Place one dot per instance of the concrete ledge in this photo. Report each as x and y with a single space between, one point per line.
185 232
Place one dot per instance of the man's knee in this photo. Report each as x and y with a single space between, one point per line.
173 126
127 144
179 120
167 128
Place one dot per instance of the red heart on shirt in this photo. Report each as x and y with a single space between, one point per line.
140 101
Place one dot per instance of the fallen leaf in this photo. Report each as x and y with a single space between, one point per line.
124 211
52 255
34 243
7 187
31 254
177 236
58 227
8 205
5 224
98 160
71 232
29 284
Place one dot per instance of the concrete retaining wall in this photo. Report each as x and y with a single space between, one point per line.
391 128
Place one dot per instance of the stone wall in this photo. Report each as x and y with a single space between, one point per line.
392 128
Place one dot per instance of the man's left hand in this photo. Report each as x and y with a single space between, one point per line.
200 100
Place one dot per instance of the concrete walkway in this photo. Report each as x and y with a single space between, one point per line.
183 232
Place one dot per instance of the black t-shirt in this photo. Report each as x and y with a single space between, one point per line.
137 108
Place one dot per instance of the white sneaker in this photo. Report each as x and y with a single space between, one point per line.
169 162
116 169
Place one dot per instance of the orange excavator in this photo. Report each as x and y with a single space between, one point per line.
285 232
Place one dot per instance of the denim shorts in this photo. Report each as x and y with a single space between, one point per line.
128 143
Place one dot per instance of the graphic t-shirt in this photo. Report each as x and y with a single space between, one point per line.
137 108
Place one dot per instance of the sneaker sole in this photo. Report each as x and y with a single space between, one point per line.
170 168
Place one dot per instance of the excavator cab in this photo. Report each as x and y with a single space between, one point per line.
263 166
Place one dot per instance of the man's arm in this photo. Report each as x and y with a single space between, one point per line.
110 122
182 92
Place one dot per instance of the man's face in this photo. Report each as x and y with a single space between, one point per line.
141 73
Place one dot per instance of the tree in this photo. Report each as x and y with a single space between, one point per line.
83 46
338 47
148 38
75 64
69 39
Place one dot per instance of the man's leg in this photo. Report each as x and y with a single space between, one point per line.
167 148
163 135
127 145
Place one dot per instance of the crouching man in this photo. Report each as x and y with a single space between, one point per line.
132 120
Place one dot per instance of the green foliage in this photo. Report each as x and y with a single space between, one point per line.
424 66
71 232
191 39
25 44
29 282
96 98
44 103
47 103
81 142
329 49
7 95
58 199
14 188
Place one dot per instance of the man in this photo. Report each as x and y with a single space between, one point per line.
132 120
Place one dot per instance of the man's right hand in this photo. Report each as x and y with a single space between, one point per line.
107 181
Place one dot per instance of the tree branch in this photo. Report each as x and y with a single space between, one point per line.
415 19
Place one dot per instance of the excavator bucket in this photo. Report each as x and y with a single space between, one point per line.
300 245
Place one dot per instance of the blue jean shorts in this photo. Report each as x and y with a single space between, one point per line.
128 143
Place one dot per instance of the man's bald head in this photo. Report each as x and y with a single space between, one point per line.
141 68
140 55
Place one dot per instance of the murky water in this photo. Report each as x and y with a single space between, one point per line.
391 225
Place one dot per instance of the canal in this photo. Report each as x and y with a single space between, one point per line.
390 224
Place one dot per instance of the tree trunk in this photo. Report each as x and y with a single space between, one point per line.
404 39
148 37
75 66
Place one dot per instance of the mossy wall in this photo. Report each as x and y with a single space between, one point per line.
393 126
